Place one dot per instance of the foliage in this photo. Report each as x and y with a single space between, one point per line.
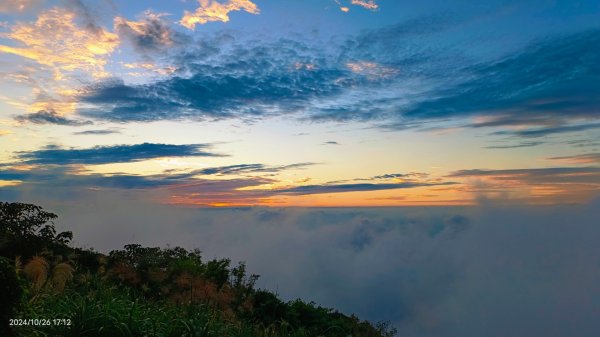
43 275
10 293
27 230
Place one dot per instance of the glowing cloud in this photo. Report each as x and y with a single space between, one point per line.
211 10
588 158
54 40
370 4
371 70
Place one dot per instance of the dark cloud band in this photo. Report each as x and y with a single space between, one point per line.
113 154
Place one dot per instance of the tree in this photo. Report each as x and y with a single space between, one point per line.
27 230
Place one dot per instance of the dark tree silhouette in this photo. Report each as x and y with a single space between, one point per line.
27 230
10 294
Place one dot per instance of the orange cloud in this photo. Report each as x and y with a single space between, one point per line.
536 186
148 66
588 158
54 40
211 10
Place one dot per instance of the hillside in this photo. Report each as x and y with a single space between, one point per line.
50 288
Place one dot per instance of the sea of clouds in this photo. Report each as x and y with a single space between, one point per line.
486 270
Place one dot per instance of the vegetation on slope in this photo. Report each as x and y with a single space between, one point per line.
141 291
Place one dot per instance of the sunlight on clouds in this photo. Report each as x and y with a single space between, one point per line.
533 188
54 40
305 66
342 7
144 67
210 10
64 102
370 4
7 183
371 69
588 158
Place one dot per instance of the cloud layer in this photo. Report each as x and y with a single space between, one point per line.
55 155
547 87
456 272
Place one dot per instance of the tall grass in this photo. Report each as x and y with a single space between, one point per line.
110 311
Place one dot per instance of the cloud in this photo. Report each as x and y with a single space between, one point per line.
151 35
536 174
402 176
559 79
583 143
50 117
55 155
248 168
588 158
245 82
252 184
369 4
514 121
4 132
54 40
514 146
97 132
555 94
75 180
256 79
490 270
408 84
535 185
542 132
371 70
331 143
212 10
341 188
85 15
18 6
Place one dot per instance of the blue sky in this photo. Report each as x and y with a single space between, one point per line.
346 85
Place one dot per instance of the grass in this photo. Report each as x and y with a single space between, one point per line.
114 312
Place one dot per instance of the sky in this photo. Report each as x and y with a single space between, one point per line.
248 127
302 103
